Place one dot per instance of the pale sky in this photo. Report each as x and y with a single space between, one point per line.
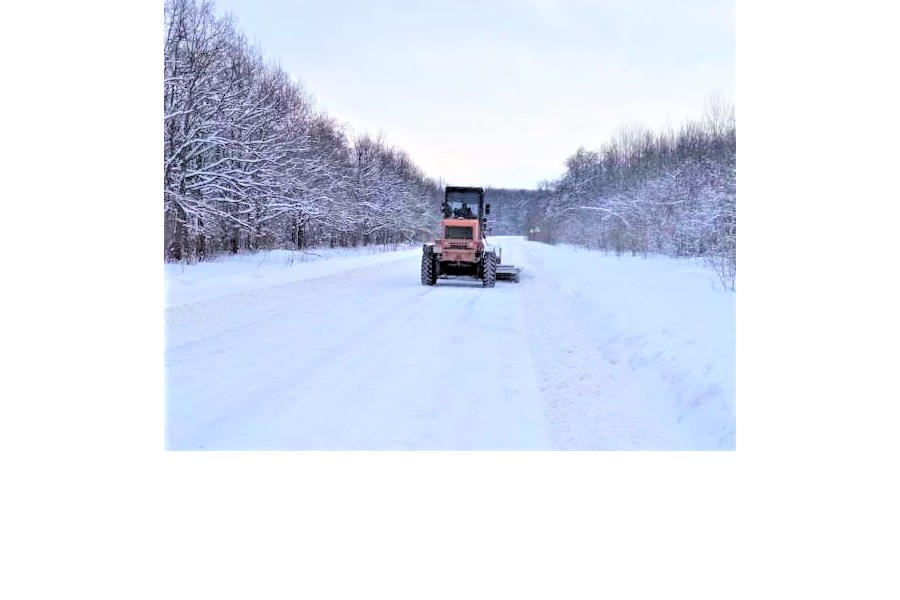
499 92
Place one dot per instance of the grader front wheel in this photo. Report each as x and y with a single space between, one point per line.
429 274
489 269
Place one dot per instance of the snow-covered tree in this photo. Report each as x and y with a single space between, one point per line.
670 193
248 163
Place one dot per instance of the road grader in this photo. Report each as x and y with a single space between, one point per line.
463 250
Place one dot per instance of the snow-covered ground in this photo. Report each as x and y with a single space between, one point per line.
245 272
349 351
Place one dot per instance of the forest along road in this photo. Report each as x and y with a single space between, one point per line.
369 359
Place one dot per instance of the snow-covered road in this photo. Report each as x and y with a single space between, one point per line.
354 353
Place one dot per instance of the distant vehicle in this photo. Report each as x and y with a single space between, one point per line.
463 251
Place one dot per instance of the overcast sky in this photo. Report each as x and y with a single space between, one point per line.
499 92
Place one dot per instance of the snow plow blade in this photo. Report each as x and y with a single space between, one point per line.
508 273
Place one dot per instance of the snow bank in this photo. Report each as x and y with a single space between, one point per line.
666 320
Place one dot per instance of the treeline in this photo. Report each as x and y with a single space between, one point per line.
669 192
249 163
510 209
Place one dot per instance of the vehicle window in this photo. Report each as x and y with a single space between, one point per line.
458 233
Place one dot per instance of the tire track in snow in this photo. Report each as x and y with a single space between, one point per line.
369 360
590 403
290 331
